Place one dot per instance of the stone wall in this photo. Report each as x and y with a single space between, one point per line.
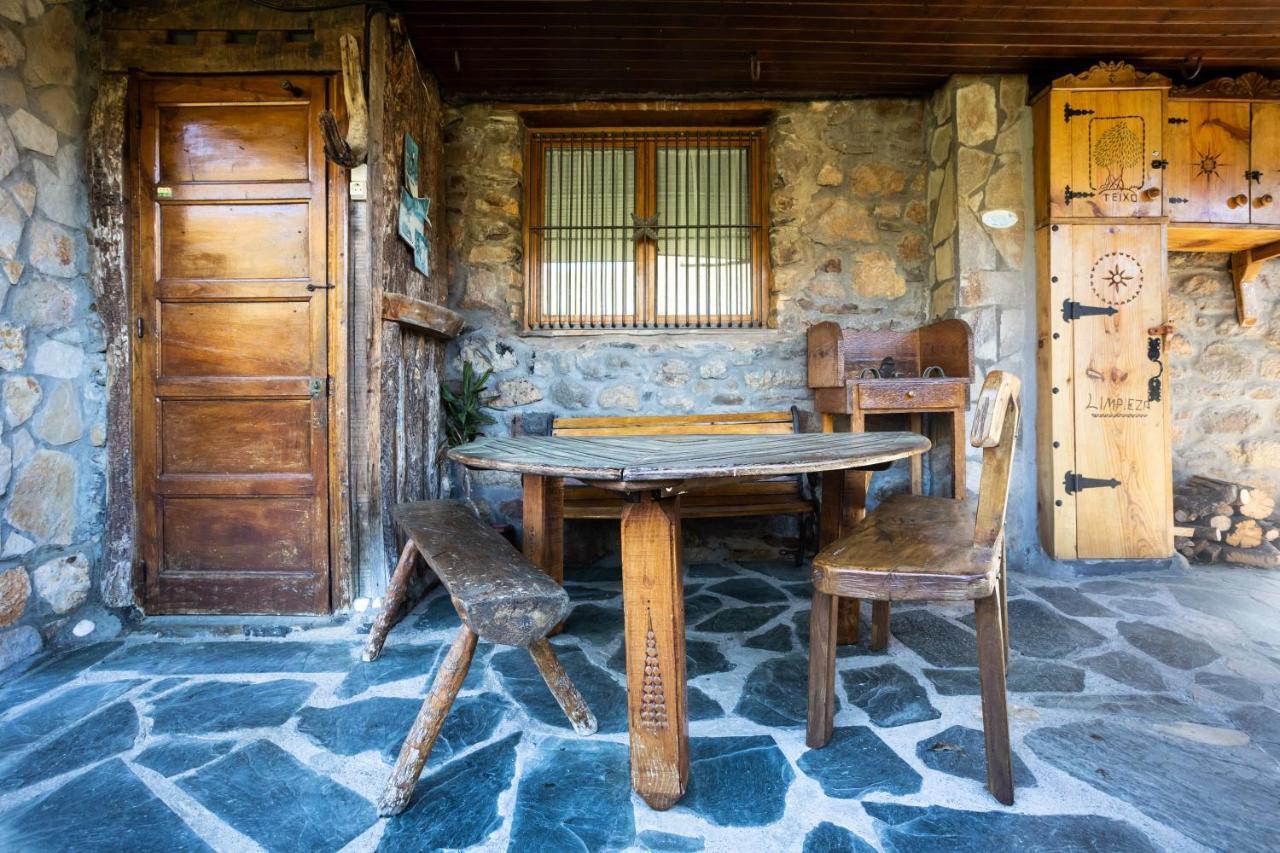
1226 379
848 241
51 343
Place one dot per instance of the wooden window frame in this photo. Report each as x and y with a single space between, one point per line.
648 141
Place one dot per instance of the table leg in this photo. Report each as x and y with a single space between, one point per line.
544 523
959 443
653 604
844 503
915 423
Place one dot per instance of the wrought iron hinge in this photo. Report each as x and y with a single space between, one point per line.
1072 310
1074 482
1154 385
1159 164
1253 175
1174 199
1178 120
1068 112
321 286
1070 194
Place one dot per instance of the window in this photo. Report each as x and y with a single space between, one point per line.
645 229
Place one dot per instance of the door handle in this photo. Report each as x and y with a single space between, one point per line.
141 328
321 286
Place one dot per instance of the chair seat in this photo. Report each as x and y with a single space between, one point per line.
910 548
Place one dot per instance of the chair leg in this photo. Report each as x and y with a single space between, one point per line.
426 728
802 545
879 626
822 668
397 589
995 712
562 687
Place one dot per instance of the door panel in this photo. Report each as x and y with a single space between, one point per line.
1103 143
1121 392
232 469
1208 153
1265 159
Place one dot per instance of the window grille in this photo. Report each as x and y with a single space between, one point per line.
653 229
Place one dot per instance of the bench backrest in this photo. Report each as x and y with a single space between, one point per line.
728 423
837 355
499 594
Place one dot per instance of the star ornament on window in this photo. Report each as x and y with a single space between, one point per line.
644 226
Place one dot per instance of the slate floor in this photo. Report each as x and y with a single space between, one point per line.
1143 717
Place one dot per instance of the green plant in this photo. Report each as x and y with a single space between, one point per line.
464 414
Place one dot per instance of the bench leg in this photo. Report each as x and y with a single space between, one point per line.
822 669
879 626
426 728
397 589
995 712
562 687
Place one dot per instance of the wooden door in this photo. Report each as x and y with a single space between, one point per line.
231 350
1265 163
1101 147
1123 499
1207 146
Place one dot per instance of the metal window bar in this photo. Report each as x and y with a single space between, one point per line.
646 229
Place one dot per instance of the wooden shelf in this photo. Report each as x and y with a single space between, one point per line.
1250 246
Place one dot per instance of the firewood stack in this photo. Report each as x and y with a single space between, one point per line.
1220 522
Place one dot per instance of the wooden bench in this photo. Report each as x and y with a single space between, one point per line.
778 496
499 595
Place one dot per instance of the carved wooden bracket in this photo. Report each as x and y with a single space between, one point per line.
435 320
1247 87
351 151
1244 269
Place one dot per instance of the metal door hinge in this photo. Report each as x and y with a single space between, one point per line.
1173 199
1069 112
1159 164
320 386
1178 120
1074 482
141 327
1072 310
1069 194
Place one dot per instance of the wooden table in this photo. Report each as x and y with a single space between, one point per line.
653 472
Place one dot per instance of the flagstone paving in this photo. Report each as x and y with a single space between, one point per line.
1143 718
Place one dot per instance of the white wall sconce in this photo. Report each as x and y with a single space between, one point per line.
999 218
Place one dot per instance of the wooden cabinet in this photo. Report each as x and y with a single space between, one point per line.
1264 161
1207 150
1101 133
1104 455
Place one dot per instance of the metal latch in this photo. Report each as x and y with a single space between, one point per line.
318 386
1070 194
1069 112
1072 310
1074 482
1159 164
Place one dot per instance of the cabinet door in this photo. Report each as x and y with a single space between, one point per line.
1102 144
1207 146
1121 408
1265 161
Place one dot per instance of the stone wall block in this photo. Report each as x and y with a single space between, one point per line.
976 117
15 589
18 644
63 582
21 395
13 346
13 221
12 51
33 134
51 42
60 193
44 498
59 422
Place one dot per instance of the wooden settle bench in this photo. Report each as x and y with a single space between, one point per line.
791 495
499 595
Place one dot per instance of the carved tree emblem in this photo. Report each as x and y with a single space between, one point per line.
1117 151
653 699
1116 278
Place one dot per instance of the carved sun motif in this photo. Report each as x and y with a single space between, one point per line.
1208 166
1116 278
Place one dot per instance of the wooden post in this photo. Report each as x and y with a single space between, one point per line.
426 728
822 669
397 589
995 713
915 423
959 444
844 503
544 523
561 687
653 603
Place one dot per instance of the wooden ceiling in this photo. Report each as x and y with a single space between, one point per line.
540 50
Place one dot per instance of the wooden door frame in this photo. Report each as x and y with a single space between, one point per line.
107 207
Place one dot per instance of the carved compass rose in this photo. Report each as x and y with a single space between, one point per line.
1116 278
1208 166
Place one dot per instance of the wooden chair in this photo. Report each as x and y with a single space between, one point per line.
919 548
499 595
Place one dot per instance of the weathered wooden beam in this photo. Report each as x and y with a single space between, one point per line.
1245 266
419 314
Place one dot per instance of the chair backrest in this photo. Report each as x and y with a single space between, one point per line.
995 430
729 423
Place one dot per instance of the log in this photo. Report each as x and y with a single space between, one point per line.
1258 507
1267 556
1246 534
1220 522
1218 490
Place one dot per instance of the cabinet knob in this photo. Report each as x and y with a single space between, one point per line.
1263 200
911 395
1150 194
1237 200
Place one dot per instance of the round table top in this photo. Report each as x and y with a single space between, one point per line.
666 458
